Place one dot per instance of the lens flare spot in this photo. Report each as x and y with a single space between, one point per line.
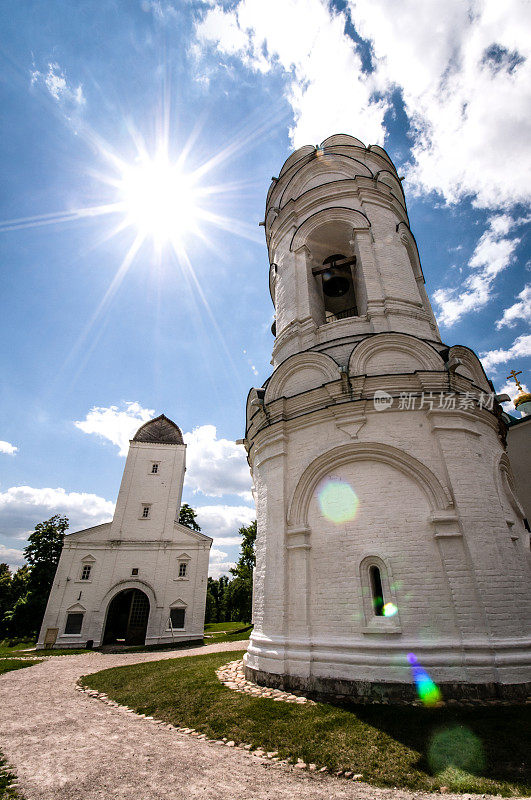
338 501
389 610
456 748
428 691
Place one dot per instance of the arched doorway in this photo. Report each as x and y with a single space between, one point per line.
127 618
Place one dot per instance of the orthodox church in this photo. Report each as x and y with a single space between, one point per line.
142 578
390 536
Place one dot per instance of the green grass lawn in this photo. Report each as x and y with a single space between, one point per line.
215 637
6 776
7 649
9 664
470 749
212 627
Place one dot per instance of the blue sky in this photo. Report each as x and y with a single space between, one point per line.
95 342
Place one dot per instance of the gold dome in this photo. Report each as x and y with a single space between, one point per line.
523 397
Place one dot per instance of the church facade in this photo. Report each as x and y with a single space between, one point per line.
142 578
389 531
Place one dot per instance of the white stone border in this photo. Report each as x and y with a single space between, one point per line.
263 755
232 675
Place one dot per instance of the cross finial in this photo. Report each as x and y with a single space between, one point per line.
513 375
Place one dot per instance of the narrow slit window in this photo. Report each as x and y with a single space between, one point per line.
85 572
377 591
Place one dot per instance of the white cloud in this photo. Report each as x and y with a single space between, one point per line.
519 312
57 85
219 563
326 87
228 540
465 75
520 348
7 448
216 466
22 507
512 390
222 522
493 253
116 424
12 557
213 466
463 70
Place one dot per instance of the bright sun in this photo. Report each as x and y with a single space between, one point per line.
158 199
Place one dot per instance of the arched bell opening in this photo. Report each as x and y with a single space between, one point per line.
127 618
336 271
337 285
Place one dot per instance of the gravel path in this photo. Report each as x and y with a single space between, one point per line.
65 745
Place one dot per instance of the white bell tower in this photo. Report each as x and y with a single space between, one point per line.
387 520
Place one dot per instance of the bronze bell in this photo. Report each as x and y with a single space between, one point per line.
336 281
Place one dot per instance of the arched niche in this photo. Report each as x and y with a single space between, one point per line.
358 452
390 179
471 367
319 170
335 223
299 373
345 139
505 484
393 353
301 153
410 243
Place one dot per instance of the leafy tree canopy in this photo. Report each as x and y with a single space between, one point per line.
187 517
245 564
46 542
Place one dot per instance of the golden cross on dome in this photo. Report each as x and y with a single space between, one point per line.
513 375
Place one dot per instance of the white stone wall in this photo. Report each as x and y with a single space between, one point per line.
154 546
436 507
139 485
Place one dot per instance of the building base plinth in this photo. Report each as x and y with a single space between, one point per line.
352 691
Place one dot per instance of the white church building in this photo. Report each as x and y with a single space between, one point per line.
142 578
389 531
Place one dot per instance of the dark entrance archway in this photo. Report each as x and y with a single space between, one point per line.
127 618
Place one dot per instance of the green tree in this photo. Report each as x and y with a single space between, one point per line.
42 554
5 595
19 584
223 600
210 608
187 517
241 587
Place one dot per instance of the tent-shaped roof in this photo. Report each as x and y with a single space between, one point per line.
160 430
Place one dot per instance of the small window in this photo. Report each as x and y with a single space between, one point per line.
154 468
377 591
134 571
85 572
145 512
177 617
73 623
183 566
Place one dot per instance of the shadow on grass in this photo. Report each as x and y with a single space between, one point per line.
489 741
389 746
